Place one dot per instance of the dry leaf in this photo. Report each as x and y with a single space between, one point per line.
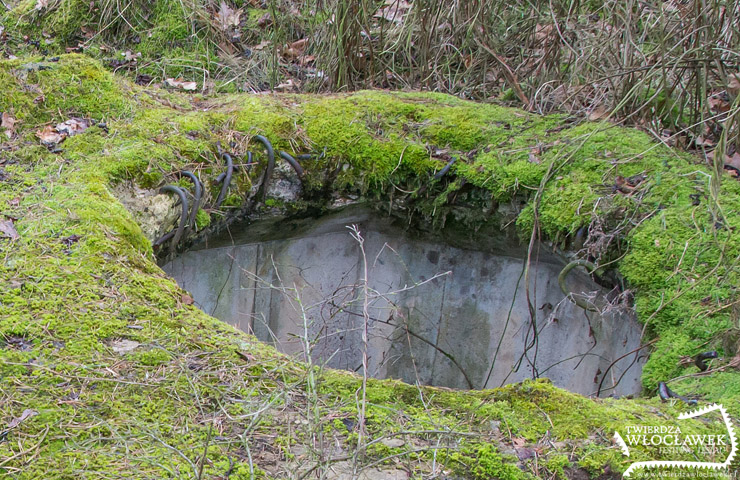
307 59
27 413
289 85
393 11
7 121
130 56
598 113
542 32
73 126
733 161
186 299
123 345
41 4
7 230
519 442
261 45
265 20
295 49
733 84
49 136
227 17
180 83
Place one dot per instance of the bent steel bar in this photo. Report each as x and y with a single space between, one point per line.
183 215
699 360
293 163
591 268
198 194
226 179
262 193
666 393
445 169
309 156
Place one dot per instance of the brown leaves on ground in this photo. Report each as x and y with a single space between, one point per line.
27 413
54 135
7 121
265 20
7 230
295 49
181 84
393 11
227 18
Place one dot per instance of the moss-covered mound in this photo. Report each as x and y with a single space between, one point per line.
106 371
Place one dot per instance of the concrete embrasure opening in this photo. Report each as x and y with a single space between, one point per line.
433 311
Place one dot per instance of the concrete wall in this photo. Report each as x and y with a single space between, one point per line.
439 315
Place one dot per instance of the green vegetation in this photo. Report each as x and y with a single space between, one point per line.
175 400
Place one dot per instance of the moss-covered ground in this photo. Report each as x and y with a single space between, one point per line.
189 397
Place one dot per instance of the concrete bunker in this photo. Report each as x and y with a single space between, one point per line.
435 311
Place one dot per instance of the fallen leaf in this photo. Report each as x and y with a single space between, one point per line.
719 102
129 56
519 442
306 59
41 4
27 413
288 85
227 17
261 45
49 136
68 241
733 84
143 79
73 126
393 11
186 299
542 32
123 345
733 161
7 229
265 20
295 49
598 113
180 83
8 121
247 357
525 453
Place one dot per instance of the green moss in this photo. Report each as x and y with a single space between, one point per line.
70 300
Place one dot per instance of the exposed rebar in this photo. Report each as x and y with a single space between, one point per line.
699 360
226 179
262 193
293 163
445 169
591 268
666 394
197 196
183 216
